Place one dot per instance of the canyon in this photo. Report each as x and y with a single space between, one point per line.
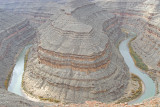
74 56
15 33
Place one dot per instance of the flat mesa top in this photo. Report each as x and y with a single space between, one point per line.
68 23
74 27
77 28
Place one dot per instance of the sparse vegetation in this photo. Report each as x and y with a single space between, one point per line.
6 83
157 87
137 59
48 99
135 93
39 97
26 59
23 84
158 64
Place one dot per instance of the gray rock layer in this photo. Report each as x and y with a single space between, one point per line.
8 99
74 60
15 33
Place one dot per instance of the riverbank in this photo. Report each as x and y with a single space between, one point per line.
142 66
148 82
134 91
40 99
29 95
22 63
9 77
7 81
136 58
16 78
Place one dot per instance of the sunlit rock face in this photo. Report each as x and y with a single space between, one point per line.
15 33
74 60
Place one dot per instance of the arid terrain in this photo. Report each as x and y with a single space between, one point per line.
74 59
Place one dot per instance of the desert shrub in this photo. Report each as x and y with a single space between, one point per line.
134 93
48 99
137 59
6 83
26 59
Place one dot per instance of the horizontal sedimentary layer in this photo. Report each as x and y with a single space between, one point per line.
69 81
15 33
73 66
147 46
68 56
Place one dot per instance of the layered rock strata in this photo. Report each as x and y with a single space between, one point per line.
74 62
143 21
15 33
8 99
75 59
145 24
36 11
147 45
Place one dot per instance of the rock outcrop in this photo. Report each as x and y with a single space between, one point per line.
8 99
15 33
74 60
36 11
147 45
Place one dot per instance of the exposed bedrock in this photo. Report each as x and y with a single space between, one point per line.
15 33
144 24
147 45
75 61
37 11
75 58
8 99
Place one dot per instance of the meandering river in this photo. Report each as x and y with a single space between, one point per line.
150 89
16 79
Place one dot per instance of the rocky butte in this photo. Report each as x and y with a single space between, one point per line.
75 62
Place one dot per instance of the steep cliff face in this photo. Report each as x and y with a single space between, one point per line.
15 33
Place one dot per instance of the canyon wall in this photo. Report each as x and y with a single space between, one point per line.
36 11
75 57
8 99
147 45
74 62
15 33
76 50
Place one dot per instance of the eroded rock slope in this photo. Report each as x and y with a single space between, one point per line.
15 33
74 60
